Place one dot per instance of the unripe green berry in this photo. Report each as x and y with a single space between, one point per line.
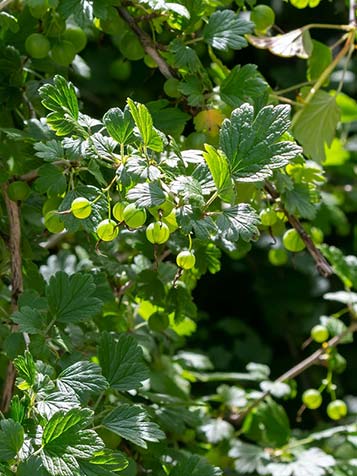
81 208
319 333
337 409
312 398
186 259
134 217
157 233
107 230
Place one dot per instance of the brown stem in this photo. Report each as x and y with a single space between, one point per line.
13 212
147 43
298 369
321 263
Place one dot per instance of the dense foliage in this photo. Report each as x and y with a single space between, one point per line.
142 143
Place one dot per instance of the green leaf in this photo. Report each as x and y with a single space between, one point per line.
11 439
51 181
185 57
194 465
121 359
48 404
225 30
312 461
252 144
193 88
320 58
104 463
146 195
49 151
26 368
347 105
119 124
71 297
180 303
248 458
31 466
82 378
243 84
344 266
131 422
29 320
316 125
277 389
216 430
336 327
218 166
143 121
236 222
65 439
8 22
170 120
99 209
267 424
81 10
298 201
60 98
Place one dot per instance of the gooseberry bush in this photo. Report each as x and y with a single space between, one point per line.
139 148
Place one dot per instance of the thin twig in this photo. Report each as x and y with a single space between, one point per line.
4 4
16 286
147 43
297 370
321 263
325 75
352 12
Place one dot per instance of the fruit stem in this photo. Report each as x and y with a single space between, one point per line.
146 42
189 242
322 265
298 369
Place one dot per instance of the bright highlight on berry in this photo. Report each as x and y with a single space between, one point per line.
157 233
312 398
107 230
186 259
336 409
81 208
292 241
319 333
134 217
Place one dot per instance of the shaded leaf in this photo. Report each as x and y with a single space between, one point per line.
81 378
243 84
131 422
11 439
121 359
71 297
226 30
240 221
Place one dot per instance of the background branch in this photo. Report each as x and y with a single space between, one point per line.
13 212
321 263
297 370
147 43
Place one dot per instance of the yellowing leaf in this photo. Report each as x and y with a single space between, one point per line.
209 121
295 43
